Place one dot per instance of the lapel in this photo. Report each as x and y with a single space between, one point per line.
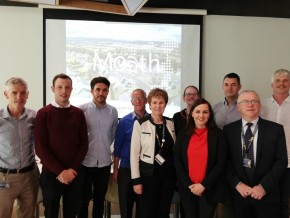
211 140
184 151
261 127
236 132
237 137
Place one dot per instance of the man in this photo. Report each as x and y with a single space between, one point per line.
18 171
190 95
61 142
277 109
226 111
122 176
257 160
102 120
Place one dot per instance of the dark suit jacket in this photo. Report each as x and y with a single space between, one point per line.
214 181
271 158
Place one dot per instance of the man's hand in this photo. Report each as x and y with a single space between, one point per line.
244 190
116 166
138 189
258 192
67 176
115 176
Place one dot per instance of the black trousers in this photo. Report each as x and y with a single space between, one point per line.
53 191
285 192
251 208
157 195
195 206
95 187
127 196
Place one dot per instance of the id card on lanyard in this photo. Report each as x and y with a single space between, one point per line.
247 162
158 157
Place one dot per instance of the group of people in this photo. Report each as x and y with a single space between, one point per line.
232 156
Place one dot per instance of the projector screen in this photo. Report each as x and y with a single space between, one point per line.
145 51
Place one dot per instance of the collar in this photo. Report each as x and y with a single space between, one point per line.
135 117
254 122
58 106
94 104
286 99
226 102
6 113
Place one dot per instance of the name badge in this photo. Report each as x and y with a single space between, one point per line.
247 163
159 159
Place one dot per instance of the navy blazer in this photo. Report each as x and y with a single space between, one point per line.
271 158
214 181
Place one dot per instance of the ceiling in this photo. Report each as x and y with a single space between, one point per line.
260 8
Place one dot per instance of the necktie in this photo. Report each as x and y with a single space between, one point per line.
249 153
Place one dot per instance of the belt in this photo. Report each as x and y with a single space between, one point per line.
13 171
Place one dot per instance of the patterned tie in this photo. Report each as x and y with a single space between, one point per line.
249 141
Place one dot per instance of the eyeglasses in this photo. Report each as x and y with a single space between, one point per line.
247 102
191 94
138 99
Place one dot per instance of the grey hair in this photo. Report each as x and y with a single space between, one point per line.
248 91
139 90
280 72
15 81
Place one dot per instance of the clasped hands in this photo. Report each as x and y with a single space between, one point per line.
67 176
197 189
257 192
138 189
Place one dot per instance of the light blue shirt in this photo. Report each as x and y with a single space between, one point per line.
223 114
102 123
16 139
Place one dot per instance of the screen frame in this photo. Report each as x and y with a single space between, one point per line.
64 14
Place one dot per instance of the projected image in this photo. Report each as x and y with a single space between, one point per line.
130 55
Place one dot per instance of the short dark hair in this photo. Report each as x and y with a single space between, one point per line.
191 86
190 125
61 76
100 79
233 76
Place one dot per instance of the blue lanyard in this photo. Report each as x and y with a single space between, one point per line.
247 147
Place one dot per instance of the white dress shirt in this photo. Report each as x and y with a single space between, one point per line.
271 110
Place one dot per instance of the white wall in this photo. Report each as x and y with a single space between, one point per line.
252 47
21 51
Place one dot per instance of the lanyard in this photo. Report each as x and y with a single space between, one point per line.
247 147
163 136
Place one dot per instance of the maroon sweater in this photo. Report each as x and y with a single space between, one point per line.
61 139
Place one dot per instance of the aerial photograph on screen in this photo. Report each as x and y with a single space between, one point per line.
130 55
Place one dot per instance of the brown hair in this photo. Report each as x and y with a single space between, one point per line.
156 92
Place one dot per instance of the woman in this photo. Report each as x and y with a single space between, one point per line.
152 164
200 156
